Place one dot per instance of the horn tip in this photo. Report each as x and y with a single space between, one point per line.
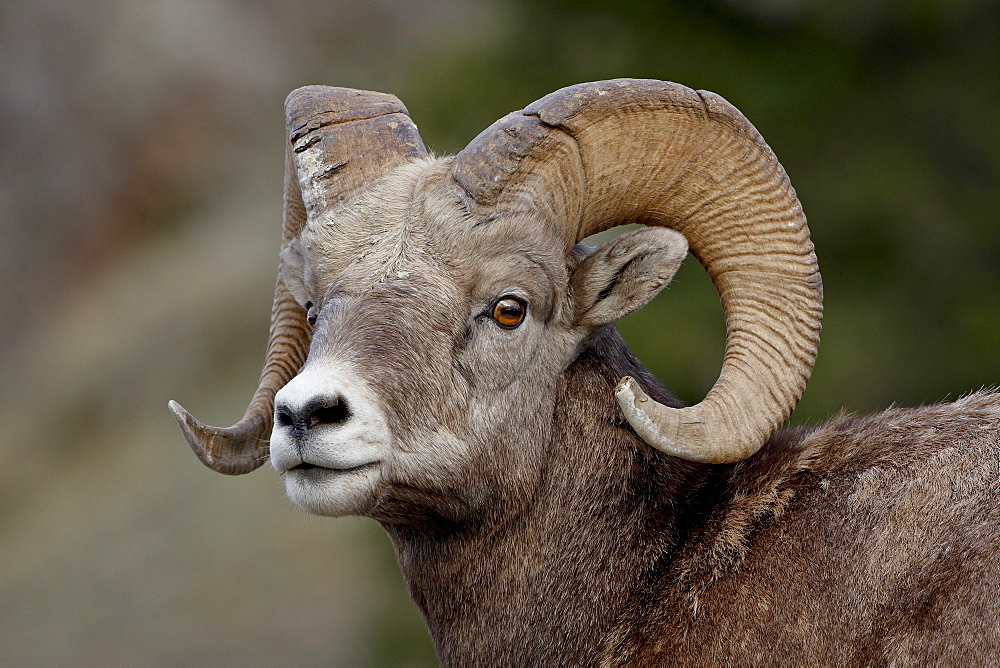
222 450
197 434
678 432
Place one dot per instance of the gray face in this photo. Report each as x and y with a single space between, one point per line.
437 348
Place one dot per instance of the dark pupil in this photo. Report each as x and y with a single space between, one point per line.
509 312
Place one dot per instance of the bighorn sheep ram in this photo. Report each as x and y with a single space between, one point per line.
443 359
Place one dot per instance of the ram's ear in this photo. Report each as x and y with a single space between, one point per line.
624 274
294 271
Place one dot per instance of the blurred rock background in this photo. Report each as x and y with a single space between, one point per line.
140 190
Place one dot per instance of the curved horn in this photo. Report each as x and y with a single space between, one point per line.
339 141
603 154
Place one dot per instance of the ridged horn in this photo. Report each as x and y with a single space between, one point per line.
598 155
339 140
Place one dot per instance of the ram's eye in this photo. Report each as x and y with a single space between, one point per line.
509 312
311 313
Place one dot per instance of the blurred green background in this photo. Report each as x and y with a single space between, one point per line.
139 223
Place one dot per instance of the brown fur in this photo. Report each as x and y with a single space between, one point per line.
866 541
534 527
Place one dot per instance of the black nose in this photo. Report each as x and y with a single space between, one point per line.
316 412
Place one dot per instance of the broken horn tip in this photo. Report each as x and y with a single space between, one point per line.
628 388
625 382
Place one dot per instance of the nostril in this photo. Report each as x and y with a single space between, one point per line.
333 413
284 416
319 411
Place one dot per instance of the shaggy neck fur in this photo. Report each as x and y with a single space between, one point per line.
548 586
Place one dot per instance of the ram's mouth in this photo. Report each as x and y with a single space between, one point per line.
307 466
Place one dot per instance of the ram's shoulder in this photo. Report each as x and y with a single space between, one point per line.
886 523
948 439
888 473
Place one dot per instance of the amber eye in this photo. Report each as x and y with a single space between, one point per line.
509 312
310 313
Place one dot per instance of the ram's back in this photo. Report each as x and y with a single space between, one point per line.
869 540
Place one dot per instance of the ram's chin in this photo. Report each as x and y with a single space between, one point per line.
332 492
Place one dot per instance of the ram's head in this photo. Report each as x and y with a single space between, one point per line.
434 304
